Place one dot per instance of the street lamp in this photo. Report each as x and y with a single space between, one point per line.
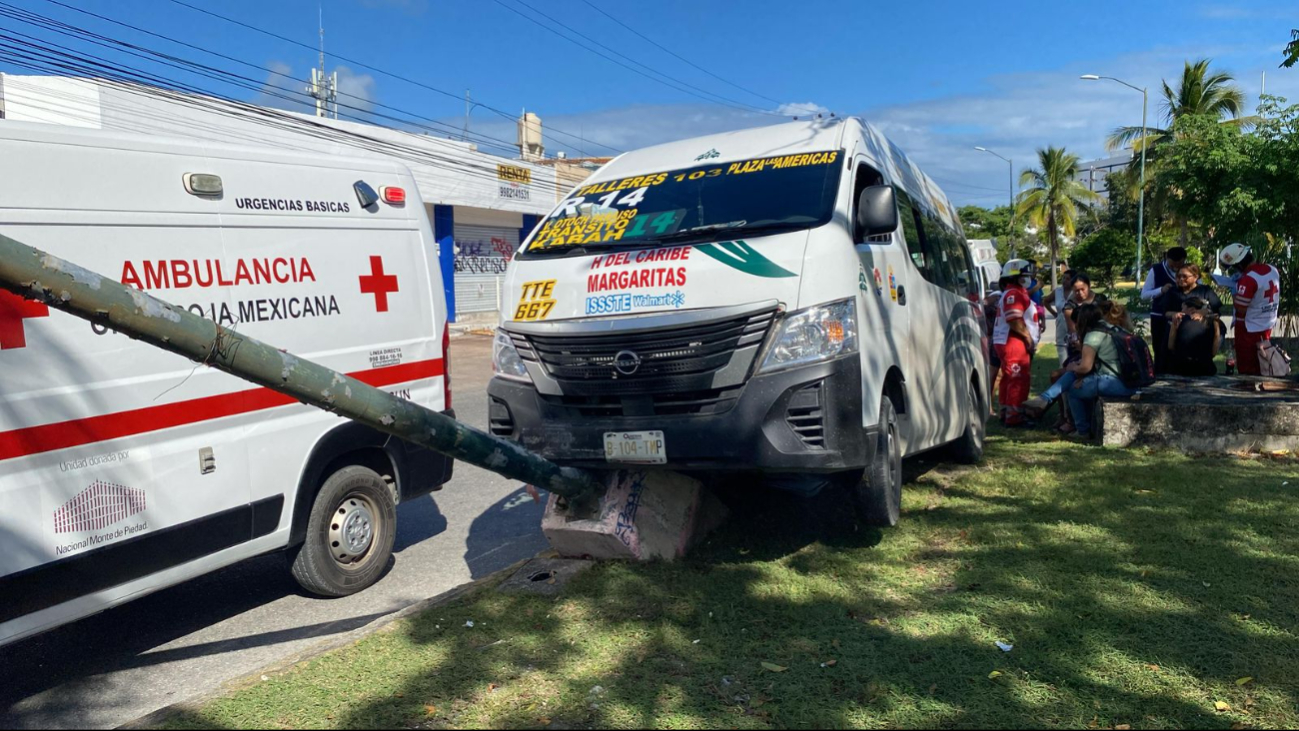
1010 167
1141 201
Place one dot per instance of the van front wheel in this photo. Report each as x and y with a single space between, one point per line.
878 496
350 534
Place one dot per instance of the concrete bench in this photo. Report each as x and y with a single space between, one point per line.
1205 415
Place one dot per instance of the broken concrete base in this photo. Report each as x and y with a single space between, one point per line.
1206 415
543 576
643 515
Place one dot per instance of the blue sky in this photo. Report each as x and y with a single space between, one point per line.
938 77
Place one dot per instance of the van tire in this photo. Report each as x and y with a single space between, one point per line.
878 495
350 534
968 448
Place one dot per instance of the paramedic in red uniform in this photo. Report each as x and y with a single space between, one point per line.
1258 292
1014 341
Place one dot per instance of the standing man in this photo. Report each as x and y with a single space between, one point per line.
1258 293
1014 341
1161 280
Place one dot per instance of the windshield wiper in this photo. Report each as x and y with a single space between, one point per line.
737 226
695 231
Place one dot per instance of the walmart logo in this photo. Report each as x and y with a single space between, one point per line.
709 155
739 255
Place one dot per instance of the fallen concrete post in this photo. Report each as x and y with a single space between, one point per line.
667 502
643 515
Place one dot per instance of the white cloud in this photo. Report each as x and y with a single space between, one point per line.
801 109
284 89
1015 115
356 90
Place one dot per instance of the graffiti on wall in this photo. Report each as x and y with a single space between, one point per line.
483 256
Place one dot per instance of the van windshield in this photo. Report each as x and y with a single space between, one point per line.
727 200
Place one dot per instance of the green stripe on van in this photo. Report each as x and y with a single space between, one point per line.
739 255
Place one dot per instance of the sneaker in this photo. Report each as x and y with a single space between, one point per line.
1035 407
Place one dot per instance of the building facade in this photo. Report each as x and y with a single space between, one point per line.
480 206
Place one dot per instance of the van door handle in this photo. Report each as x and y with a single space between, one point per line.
902 295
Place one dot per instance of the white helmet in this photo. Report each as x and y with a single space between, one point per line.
1234 254
1016 268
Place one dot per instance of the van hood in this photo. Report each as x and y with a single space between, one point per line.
656 279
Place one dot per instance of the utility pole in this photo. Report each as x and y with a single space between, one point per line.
466 135
36 275
324 87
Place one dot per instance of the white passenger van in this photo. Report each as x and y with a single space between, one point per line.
125 469
795 301
984 253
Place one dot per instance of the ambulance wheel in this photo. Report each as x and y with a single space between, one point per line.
968 448
350 533
878 495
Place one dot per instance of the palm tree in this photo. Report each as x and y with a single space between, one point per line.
1052 196
1199 92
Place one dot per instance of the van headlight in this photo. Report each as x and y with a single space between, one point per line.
814 334
505 358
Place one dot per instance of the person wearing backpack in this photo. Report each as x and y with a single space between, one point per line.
1098 372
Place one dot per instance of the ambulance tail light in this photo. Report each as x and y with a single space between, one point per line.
393 195
446 365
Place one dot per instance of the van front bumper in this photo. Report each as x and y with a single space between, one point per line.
806 420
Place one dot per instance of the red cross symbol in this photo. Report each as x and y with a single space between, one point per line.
1272 291
378 284
13 310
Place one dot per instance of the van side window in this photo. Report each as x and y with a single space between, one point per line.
911 228
950 255
866 177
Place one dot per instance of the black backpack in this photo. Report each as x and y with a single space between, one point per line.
1135 366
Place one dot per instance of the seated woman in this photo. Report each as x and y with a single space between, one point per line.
1188 286
1193 339
1096 372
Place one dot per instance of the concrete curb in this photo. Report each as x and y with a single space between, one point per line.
334 642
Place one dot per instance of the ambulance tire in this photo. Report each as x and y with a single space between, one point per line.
350 534
878 495
968 448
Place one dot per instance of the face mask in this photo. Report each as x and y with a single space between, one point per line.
1024 281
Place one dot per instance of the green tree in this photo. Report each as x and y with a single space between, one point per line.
1242 186
981 223
1105 254
1198 93
1052 197
1291 51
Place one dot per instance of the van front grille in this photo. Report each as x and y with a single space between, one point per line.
710 401
678 360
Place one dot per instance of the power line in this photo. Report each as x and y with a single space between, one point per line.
47 57
362 64
679 57
437 126
666 80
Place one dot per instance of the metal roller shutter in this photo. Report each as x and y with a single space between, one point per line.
480 265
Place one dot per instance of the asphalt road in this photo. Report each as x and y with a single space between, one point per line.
183 641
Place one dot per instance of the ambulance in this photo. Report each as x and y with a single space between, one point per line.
795 302
124 468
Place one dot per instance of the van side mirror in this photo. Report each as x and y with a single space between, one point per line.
877 211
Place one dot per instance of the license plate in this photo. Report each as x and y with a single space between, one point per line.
641 447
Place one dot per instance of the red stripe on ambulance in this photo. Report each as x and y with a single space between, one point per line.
78 432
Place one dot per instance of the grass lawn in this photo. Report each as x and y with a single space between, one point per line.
1137 589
